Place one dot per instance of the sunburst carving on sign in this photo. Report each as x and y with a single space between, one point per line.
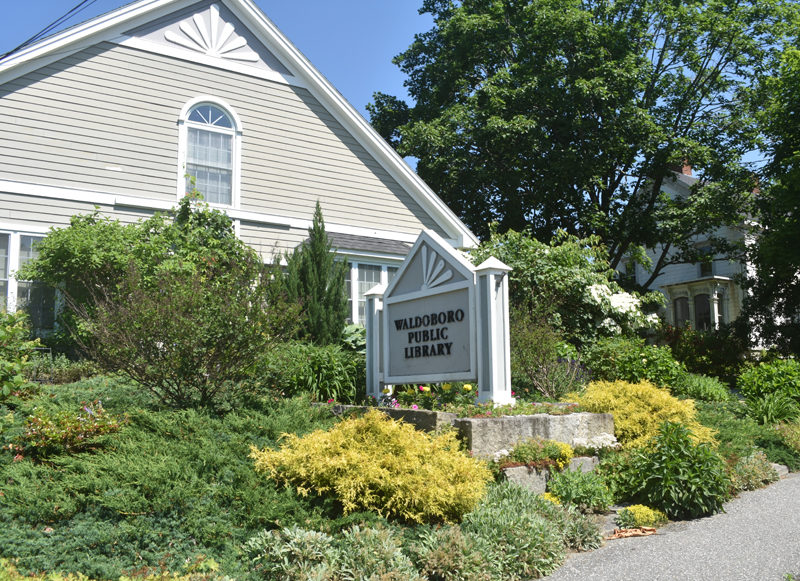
432 274
214 37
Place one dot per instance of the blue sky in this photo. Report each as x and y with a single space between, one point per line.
352 43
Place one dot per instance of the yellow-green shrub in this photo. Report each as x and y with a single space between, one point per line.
639 515
375 463
639 409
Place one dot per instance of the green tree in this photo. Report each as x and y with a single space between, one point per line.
773 303
316 280
572 114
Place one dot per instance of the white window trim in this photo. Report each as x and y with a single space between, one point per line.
183 133
14 237
354 283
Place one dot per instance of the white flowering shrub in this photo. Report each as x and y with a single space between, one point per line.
569 281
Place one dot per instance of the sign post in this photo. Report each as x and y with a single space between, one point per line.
440 319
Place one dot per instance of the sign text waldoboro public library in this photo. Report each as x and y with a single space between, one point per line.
432 323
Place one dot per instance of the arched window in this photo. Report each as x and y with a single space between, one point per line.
210 141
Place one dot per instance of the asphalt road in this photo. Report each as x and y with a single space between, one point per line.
756 539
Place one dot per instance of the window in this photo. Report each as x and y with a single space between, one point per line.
209 149
628 274
368 276
4 238
702 312
706 266
362 278
681 308
35 297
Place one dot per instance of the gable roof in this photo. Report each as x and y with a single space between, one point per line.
295 69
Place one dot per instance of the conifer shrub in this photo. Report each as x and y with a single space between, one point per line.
639 515
639 409
375 463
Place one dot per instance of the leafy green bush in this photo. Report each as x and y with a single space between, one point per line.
639 409
68 431
59 369
619 472
700 387
630 359
639 515
717 353
537 367
778 376
680 477
586 491
446 554
375 463
326 372
752 472
16 349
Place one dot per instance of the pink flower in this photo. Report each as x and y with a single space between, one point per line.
420 388
512 393
330 400
414 406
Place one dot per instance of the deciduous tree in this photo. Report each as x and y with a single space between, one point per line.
572 114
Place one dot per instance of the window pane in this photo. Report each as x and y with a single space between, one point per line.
36 298
210 115
368 276
4 256
702 312
3 295
27 248
349 291
39 301
391 271
681 306
210 162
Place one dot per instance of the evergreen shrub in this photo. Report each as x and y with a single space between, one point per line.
375 463
639 409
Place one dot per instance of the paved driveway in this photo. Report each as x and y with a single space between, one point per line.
756 539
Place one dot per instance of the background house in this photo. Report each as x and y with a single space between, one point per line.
115 112
702 294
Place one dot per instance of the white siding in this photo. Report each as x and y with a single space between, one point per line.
105 119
